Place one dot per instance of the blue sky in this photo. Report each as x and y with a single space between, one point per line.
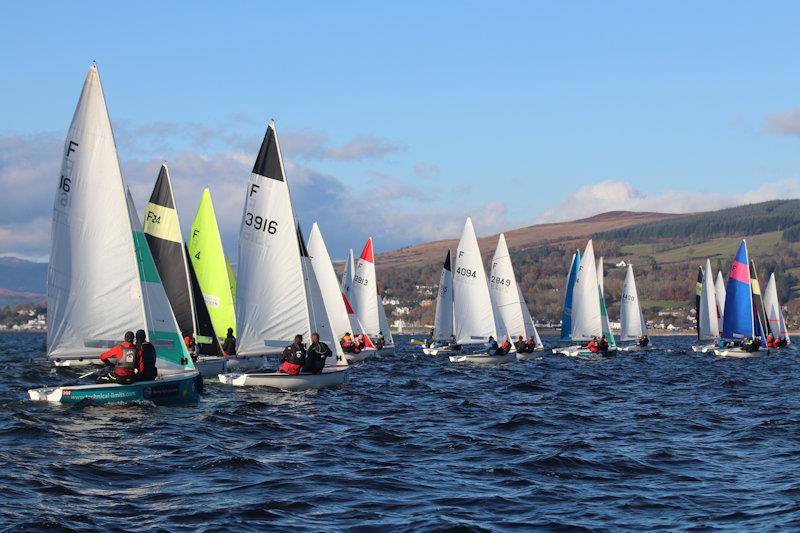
513 112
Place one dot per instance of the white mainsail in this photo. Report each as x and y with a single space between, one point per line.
773 310
708 319
271 305
720 293
364 289
383 321
443 319
473 316
504 293
346 287
93 290
632 324
530 327
586 321
604 323
600 275
329 286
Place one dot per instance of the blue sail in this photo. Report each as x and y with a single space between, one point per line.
566 316
738 318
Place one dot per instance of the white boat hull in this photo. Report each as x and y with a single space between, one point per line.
702 348
483 359
738 353
366 353
387 349
330 377
636 348
443 350
530 356
581 351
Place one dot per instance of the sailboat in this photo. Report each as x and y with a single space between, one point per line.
589 316
474 313
163 232
102 280
633 326
741 318
278 295
443 319
566 310
719 292
530 330
774 313
366 300
706 310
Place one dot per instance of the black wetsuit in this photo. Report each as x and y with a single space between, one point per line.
315 357
148 362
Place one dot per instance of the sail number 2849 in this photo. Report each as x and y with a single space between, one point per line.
261 223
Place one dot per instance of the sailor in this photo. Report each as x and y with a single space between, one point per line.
521 345
293 357
126 359
380 342
191 347
147 366
491 346
530 345
643 341
719 342
347 344
603 344
361 343
229 346
453 341
593 345
316 355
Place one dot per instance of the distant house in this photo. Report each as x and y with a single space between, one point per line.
621 264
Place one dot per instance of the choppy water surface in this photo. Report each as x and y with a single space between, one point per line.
666 439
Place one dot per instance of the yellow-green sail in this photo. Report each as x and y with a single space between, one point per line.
212 267
231 278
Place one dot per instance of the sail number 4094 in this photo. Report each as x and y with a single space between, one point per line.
261 223
467 272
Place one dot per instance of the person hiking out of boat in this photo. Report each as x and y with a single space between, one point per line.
491 346
593 345
380 342
360 342
316 354
521 345
191 347
147 367
229 346
347 344
293 357
603 343
126 359
643 341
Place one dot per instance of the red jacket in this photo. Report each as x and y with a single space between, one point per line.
116 353
592 346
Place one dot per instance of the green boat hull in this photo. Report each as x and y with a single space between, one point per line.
170 390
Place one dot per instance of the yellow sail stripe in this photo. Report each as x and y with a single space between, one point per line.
162 222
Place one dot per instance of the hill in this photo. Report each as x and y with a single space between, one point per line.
665 250
22 281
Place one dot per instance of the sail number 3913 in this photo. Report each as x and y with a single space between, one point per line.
261 223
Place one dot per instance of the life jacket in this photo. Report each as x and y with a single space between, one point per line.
592 346
289 368
128 362
293 355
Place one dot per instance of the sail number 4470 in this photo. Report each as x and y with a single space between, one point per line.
260 223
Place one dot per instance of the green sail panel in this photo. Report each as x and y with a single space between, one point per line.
210 266
231 279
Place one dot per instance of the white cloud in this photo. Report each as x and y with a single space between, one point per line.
784 123
613 195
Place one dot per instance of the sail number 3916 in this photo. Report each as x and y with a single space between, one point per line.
261 223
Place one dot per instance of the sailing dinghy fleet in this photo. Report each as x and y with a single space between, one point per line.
111 271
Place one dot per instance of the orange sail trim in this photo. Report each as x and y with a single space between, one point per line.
366 253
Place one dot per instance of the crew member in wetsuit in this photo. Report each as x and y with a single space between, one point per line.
147 366
316 355
229 346
593 345
530 345
491 346
380 342
126 359
603 344
521 345
347 344
191 347
293 357
643 341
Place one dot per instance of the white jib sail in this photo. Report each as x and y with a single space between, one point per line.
631 323
93 289
604 323
363 291
504 293
329 286
474 319
585 302
773 309
600 276
443 319
530 327
720 293
708 320
346 287
384 322
271 306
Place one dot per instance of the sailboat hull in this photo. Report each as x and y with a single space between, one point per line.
530 356
388 349
702 348
636 348
484 359
169 390
738 353
366 353
581 351
330 377
442 350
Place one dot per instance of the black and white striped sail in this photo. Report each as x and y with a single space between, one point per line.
271 305
473 316
93 289
164 237
443 319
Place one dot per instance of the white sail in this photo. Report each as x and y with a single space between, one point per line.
586 321
347 284
474 319
604 323
443 319
329 286
93 289
271 306
363 291
632 324
318 317
708 319
600 276
504 293
530 327
383 321
773 310
720 292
